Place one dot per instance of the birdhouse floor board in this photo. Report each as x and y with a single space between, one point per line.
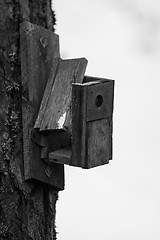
61 156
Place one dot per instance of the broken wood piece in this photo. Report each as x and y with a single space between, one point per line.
47 92
57 112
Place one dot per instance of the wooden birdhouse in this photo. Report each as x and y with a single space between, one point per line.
67 116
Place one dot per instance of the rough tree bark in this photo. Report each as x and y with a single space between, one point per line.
27 211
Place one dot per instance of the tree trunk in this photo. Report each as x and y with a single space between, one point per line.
27 211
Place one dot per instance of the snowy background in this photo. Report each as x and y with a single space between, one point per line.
121 40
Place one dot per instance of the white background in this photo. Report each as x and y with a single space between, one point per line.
121 40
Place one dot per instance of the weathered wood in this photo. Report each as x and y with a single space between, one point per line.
99 100
39 48
92 136
91 127
99 142
57 112
79 111
61 156
47 92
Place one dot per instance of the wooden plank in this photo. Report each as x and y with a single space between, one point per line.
99 142
39 48
57 113
79 99
47 92
61 156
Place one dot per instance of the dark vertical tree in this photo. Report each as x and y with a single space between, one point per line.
27 211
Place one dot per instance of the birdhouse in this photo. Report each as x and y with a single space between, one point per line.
67 116
90 125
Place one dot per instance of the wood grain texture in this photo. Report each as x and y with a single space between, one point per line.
47 92
99 142
39 48
78 141
57 112
61 156
99 100
91 140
